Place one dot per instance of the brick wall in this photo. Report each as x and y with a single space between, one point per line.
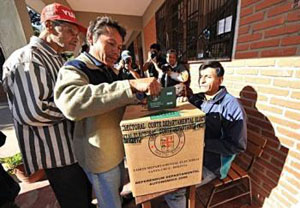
149 35
268 28
268 86
269 89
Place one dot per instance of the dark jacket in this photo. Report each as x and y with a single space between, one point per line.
151 68
226 130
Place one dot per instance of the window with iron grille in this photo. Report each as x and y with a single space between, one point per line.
197 29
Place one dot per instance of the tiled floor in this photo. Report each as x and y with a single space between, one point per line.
40 195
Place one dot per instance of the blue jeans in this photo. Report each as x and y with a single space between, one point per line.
177 199
107 185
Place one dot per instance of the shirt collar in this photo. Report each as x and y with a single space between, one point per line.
216 97
175 65
95 61
38 41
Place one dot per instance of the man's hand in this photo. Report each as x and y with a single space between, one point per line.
149 85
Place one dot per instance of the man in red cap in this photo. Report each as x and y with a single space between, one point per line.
44 134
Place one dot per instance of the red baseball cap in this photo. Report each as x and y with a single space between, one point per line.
57 11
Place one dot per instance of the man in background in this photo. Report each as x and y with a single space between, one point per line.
126 68
176 73
152 67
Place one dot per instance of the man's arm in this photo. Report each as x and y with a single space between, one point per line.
29 86
78 99
181 76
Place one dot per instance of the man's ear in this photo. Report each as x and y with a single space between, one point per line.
221 80
89 38
49 26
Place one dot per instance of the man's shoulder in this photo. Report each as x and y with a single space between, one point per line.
181 67
21 55
232 104
80 62
229 98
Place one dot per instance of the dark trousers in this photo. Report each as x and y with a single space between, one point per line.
9 189
71 186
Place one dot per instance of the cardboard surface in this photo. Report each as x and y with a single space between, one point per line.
164 149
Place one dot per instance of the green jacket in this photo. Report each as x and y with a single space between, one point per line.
87 93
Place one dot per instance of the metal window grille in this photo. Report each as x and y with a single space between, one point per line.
197 29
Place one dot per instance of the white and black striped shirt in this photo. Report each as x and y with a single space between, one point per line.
44 135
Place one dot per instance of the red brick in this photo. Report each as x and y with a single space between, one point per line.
269 23
249 94
244 30
282 30
261 123
292 115
286 103
273 176
242 47
265 44
277 163
246 102
279 52
286 142
259 167
295 16
293 181
296 165
286 83
288 187
253 134
253 18
295 95
288 133
267 187
298 147
246 55
249 38
254 113
276 72
284 122
246 3
268 108
270 135
259 192
289 197
253 128
264 178
278 154
256 179
282 200
273 91
273 144
282 8
284 150
291 40
294 155
246 11
266 4
265 156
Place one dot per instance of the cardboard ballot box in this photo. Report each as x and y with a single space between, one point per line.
164 149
